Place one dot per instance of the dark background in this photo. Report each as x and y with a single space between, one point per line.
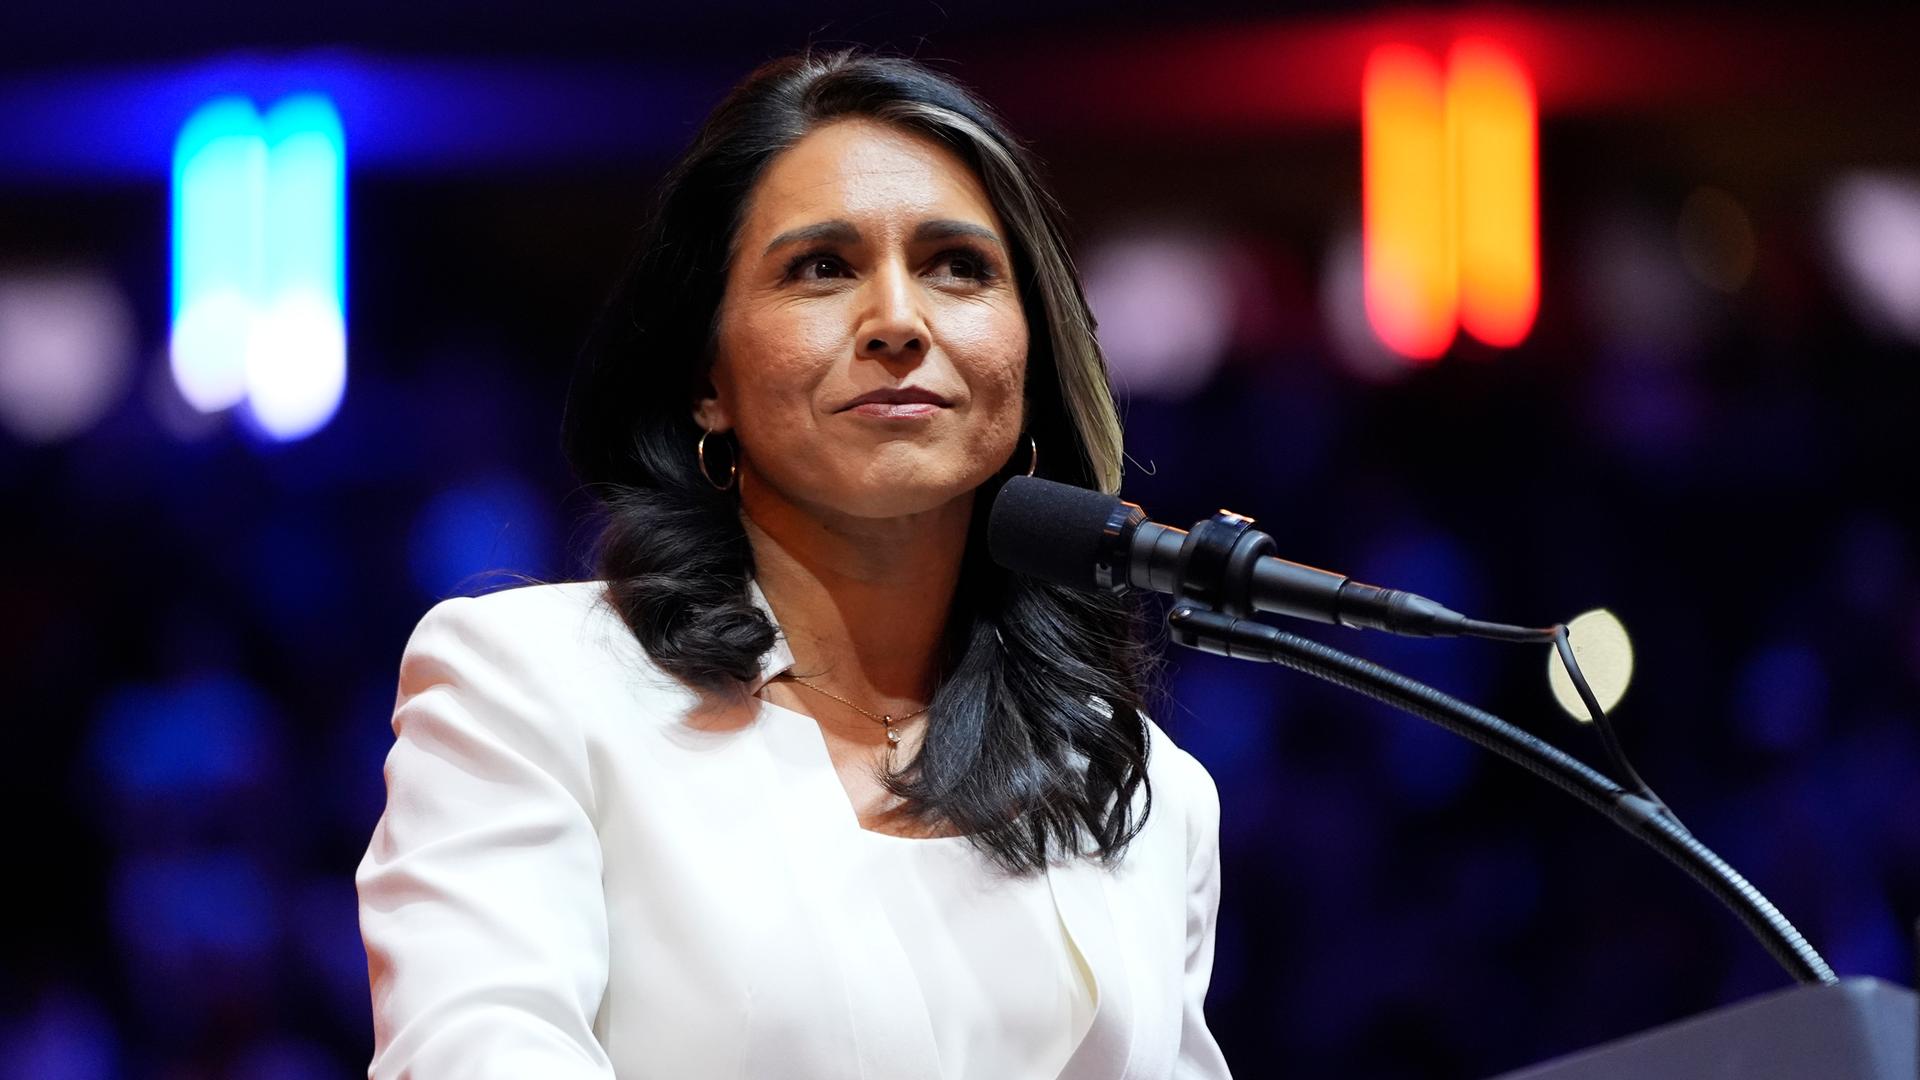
1710 431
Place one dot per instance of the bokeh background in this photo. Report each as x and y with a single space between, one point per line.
1709 429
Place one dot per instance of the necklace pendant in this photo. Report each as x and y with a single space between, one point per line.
893 737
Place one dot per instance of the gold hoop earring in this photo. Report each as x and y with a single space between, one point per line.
733 466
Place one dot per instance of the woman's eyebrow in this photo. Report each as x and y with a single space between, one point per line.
837 231
947 228
840 231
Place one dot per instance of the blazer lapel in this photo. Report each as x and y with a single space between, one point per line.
1080 895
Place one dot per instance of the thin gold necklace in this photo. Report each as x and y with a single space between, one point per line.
887 719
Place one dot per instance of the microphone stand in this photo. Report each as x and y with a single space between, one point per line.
1203 628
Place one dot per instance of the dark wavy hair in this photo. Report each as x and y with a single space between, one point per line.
1036 738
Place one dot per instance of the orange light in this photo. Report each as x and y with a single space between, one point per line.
1492 117
1412 290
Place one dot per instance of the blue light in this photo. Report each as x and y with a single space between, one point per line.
181 908
186 743
1430 767
1782 696
297 369
1237 706
411 117
466 533
219 180
259 263
65 1035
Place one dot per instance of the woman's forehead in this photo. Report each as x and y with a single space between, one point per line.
863 169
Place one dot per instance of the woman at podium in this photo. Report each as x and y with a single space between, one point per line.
802 784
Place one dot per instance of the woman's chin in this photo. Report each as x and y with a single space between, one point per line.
900 493
900 500
879 489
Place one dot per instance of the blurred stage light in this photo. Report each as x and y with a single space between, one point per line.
1717 241
219 185
1450 195
496 523
296 366
117 123
1241 746
178 910
259 237
1429 767
1412 282
1873 227
64 1034
1605 655
66 352
297 358
1493 121
184 744
1165 304
1782 695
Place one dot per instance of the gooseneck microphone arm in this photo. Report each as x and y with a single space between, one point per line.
1220 573
1248 639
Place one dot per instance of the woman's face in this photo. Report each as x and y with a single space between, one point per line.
869 260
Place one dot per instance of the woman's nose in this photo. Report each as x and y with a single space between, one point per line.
894 326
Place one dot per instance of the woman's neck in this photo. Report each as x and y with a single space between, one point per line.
863 602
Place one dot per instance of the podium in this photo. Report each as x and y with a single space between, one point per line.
1856 1029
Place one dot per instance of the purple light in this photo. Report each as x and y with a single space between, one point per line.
1164 300
66 352
1873 226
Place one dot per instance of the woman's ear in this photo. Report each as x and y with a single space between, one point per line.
711 415
709 411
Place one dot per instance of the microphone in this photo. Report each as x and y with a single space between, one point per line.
1098 542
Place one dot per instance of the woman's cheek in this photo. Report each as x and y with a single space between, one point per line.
784 371
999 422
1008 381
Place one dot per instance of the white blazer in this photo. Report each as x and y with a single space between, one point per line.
580 873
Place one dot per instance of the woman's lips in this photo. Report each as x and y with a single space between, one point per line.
905 410
898 403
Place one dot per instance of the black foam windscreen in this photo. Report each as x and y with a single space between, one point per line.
1049 530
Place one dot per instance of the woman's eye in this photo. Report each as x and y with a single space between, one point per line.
968 264
811 261
964 264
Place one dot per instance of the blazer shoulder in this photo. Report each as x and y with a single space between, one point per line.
542 602
540 631
1168 760
532 613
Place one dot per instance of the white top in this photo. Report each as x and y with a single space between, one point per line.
1007 994
586 871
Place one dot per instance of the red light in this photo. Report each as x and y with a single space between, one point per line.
1491 111
1450 197
1411 278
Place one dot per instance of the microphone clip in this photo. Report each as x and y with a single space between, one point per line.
1216 564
